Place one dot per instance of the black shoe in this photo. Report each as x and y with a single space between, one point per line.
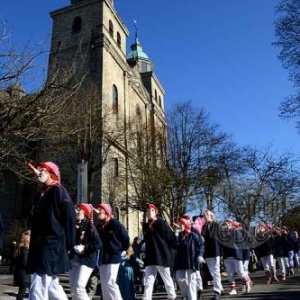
216 296
199 295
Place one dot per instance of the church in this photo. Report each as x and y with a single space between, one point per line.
92 31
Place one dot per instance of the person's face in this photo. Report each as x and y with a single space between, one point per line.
208 216
44 175
261 228
102 215
79 214
150 213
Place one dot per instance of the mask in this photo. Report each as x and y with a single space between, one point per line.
43 176
150 214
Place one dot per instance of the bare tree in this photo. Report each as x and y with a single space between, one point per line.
287 40
198 151
265 190
26 119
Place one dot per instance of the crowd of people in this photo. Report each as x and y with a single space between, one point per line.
64 238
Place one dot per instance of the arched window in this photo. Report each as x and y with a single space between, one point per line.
139 117
115 100
116 167
119 39
76 26
111 28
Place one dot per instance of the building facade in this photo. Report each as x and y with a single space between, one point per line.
90 35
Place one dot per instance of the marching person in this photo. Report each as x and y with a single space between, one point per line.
190 250
210 233
115 240
159 239
52 234
85 251
233 257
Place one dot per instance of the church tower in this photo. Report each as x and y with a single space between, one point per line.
92 33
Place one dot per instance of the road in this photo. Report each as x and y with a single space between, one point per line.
287 290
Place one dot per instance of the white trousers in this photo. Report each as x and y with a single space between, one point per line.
150 275
268 262
186 280
246 267
79 276
232 266
199 281
108 279
281 265
213 264
44 287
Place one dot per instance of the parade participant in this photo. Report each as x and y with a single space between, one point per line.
210 233
233 257
189 255
265 250
52 234
85 251
159 239
115 240
278 251
288 250
245 246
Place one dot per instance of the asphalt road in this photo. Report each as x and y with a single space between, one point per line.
287 290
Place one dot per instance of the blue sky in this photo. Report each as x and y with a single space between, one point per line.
216 53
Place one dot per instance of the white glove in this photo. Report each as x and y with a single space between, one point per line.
177 232
79 249
200 259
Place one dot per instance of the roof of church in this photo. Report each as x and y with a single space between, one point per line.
137 52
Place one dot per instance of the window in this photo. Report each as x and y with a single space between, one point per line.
139 117
144 66
159 101
116 167
115 100
76 27
155 95
119 39
111 28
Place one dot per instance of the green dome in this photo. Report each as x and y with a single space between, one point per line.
137 52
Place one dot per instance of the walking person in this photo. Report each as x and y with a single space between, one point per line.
21 278
266 250
52 234
85 252
212 252
159 239
115 240
233 257
288 248
190 250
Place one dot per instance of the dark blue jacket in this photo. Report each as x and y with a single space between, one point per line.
232 246
188 250
211 235
115 240
52 232
287 244
264 244
159 239
87 235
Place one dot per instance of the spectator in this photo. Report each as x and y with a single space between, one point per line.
21 278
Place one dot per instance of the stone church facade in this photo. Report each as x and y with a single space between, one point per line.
93 31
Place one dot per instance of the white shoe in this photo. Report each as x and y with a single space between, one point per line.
248 287
232 292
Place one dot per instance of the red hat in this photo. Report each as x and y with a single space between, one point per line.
52 168
87 208
152 206
187 217
186 224
106 207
